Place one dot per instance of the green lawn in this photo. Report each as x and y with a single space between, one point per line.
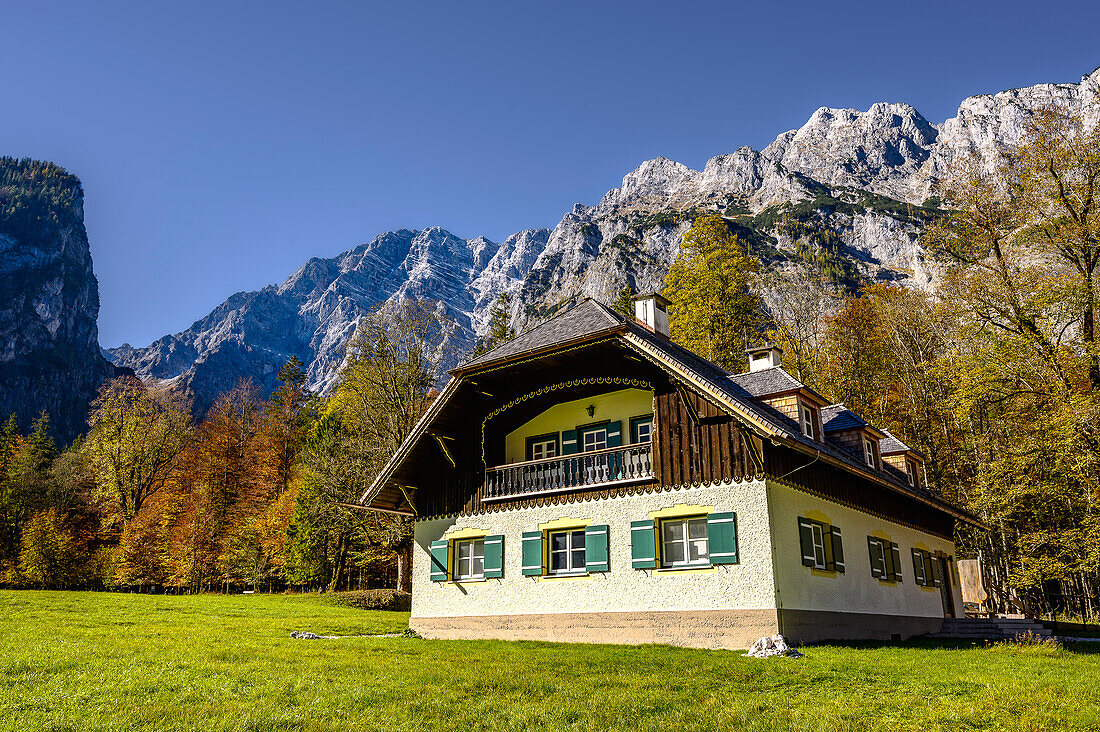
106 661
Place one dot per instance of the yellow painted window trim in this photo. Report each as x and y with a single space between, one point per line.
680 510
831 573
665 571
565 523
471 533
563 577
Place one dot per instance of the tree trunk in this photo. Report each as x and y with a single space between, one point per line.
341 557
404 567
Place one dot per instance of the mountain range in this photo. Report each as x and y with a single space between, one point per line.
849 191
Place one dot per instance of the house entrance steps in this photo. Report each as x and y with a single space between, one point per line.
993 628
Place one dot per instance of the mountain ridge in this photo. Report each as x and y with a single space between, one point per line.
852 183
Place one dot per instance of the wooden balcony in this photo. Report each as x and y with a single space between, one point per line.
580 471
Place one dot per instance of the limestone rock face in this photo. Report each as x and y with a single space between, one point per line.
857 179
49 299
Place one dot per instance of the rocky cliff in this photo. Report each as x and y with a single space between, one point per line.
49 299
848 192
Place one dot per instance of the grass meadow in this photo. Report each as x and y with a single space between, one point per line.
75 661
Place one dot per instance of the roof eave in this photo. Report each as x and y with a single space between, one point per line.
934 503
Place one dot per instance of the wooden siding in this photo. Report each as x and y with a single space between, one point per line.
835 484
708 451
787 405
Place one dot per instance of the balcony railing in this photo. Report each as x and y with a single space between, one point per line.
629 463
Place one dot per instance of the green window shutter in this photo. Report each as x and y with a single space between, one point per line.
838 549
614 434
895 561
532 553
643 544
494 556
722 536
918 567
440 564
806 538
569 442
936 573
873 554
596 553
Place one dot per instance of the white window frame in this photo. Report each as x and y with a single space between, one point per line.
570 537
868 452
883 547
817 533
593 431
807 420
548 454
475 544
686 522
911 471
637 424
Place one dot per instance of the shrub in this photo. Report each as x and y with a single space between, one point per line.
374 599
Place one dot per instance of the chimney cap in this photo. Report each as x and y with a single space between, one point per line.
652 296
764 357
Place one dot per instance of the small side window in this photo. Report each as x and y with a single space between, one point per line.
808 419
869 452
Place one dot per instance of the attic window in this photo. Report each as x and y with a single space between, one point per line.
807 421
868 452
911 472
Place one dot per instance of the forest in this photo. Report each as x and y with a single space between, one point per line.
992 373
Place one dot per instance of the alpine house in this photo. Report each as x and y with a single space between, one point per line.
592 481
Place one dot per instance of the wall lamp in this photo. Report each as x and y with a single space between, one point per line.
591 409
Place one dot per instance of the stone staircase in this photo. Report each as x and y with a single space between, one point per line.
990 628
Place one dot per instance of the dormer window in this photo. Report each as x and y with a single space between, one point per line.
808 417
869 452
911 472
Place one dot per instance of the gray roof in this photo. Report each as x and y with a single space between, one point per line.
585 318
838 417
891 445
766 381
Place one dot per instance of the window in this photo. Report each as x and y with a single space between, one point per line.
684 542
807 421
869 451
567 552
594 439
926 569
641 429
822 546
469 559
911 471
542 447
885 559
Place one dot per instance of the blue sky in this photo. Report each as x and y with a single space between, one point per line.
223 144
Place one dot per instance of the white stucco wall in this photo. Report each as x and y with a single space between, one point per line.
747 585
854 591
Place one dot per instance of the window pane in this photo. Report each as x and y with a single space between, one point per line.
578 559
478 568
697 528
673 552
465 549
479 548
559 542
673 530
578 539
699 550
558 561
